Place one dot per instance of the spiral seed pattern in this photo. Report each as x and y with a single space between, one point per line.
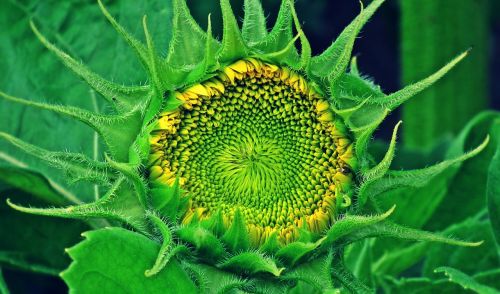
259 139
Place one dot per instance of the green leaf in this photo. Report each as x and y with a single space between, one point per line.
72 27
493 191
470 181
36 185
114 259
31 244
400 188
465 281
3 285
466 259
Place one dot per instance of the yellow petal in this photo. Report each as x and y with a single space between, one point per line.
239 66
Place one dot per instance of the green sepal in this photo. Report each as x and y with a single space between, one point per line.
382 167
3 285
389 229
351 89
131 172
321 65
251 263
208 247
342 60
117 131
236 237
140 149
272 244
411 178
76 166
137 46
159 79
124 98
208 64
315 275
294 252
115 205
393 100
254 22
167 250
280 36
305 235
167 200
215 224
305 46
187 47
349 225
171 102
233 46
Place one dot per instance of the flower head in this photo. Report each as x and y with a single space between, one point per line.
253 154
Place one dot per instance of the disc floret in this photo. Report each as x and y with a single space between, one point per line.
259 139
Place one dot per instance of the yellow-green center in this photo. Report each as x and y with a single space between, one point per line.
257 138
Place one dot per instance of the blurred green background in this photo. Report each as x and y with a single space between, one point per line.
405 41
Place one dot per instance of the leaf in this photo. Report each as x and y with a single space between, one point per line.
3 285
348 280
466 259
417 191
469 184
493 191
31 244
36 185
73 27
358 258
465 281
114 260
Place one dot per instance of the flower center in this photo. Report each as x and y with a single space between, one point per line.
259 139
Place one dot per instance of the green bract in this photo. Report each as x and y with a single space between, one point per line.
242 164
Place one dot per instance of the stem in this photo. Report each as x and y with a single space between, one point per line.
432 33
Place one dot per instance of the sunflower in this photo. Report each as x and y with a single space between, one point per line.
246 159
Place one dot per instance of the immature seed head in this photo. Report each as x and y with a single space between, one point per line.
259 139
